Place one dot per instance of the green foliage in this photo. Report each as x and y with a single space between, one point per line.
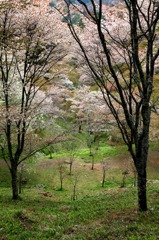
104 151
76 20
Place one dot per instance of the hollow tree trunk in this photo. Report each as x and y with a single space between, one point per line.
14 183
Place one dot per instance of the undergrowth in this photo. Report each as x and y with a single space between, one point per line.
107 214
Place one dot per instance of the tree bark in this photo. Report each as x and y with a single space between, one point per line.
92 167
141 168
14 183
142 198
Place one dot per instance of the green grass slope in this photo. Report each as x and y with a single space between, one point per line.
108 214
45 212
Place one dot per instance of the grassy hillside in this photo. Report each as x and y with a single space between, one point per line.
108 214
46 212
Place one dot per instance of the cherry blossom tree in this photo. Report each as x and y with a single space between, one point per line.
29 49
118 45
91 113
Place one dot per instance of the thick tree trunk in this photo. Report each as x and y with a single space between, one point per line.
141 160
142 199
14 183
141 168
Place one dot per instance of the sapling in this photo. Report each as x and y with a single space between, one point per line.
124 175
61 168
105 167
74 181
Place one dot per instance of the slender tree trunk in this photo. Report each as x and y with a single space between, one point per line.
103 180
90 150
61 181
123 180
74 192
50 152
61 185
92 167
80 127
70 173
14 183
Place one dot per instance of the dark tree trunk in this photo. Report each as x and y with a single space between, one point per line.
103 180
123 184
61 187
92 167
74 193
80 128
70 173
61 182
14 183
141 168
142 199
